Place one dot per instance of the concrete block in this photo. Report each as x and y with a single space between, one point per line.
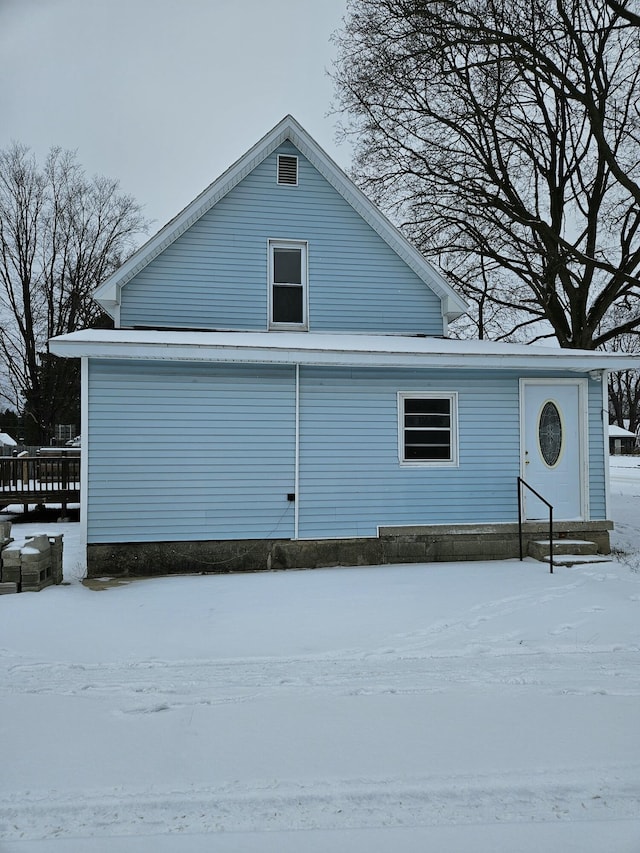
390 550
354 552
503 550
11 555
56 548
412 551
30 577
464 545
8 588
36 587
5 533
34 564
540 548
38 542
11 574
444 548
34 559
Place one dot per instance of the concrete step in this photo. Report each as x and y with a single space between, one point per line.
576 559
540 548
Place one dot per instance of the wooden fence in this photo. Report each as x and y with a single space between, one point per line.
43 479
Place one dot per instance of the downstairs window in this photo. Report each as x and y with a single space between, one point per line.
428 428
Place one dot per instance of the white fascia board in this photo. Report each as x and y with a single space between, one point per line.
108 293
363 351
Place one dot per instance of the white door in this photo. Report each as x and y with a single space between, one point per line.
553 447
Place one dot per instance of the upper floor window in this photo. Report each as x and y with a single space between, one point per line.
428 428
287 284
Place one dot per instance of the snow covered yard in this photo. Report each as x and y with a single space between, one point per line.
448 707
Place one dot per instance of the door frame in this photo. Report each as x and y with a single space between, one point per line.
583 434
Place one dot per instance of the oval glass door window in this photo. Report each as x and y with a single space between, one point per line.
550 433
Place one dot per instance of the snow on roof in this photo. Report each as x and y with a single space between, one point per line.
331 349
6 439
618 432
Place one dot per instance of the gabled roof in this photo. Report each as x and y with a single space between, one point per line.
108 294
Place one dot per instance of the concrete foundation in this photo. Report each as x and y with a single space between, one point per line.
429 543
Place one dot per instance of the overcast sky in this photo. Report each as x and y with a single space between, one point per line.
164 95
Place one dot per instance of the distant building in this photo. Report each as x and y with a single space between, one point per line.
6 440
621 440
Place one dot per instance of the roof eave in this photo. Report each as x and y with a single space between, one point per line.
171 351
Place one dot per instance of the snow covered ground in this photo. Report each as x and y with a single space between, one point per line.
446 707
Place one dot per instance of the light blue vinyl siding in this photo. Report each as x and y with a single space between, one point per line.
194 451
215 275
597 461
180 452
350 477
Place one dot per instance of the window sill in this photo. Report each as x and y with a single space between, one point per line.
430 464
288 327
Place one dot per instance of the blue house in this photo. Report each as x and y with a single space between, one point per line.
279 390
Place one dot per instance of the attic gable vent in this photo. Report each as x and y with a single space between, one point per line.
287 169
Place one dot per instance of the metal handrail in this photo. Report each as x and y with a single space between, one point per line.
522 483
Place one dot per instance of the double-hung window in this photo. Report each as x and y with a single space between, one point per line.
428 428
287 284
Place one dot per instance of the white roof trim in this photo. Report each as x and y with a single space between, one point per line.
332 349
108 293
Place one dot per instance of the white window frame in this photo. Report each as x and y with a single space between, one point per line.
303 246
452 397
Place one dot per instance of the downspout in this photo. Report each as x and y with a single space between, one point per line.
605 430
296 487
84 451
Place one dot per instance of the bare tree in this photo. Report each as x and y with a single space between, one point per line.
625 12
504 136
624 386
624 399
61 234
